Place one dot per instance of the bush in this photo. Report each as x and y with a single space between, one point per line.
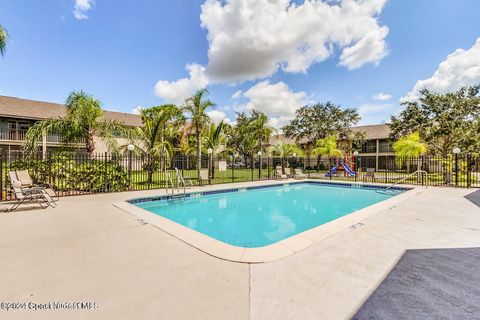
98 176
66 174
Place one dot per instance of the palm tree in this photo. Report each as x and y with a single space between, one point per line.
83 121
285 151
328 147
196 106
216 141
260 128
3 40
186 148
150 139
408 146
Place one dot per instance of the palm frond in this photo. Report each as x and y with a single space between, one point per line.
3 40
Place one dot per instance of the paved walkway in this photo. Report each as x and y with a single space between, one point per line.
87 250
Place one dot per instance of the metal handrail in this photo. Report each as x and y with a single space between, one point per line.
405 178
182 181
170 183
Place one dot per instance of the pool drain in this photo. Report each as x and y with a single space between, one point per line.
356 226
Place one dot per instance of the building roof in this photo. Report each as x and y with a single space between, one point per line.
375 131
12 107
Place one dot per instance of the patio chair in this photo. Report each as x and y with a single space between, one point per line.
290 172
279 174
370 174
27 182
203 176
298 174
23 195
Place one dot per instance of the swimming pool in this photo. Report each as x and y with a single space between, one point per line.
260 216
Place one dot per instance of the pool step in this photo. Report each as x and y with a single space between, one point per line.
178 196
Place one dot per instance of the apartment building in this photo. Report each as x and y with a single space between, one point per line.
376 152
17 115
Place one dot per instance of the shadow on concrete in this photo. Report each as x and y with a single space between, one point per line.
474 198
429 284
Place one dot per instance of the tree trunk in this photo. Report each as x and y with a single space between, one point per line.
89 143
213 166
150 168
199 153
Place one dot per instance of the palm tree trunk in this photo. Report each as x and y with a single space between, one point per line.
89 143
213 166
199 153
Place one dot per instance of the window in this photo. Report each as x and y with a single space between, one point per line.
369 146
23 126
385 146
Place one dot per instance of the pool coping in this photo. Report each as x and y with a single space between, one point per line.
272 252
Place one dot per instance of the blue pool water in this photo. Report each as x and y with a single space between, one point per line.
259 217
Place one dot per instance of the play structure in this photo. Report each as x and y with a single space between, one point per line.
348 171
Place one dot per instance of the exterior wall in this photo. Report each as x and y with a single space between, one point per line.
101 147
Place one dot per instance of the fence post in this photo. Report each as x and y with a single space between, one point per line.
330 168
130 169
355 165
468 170
268 168
259 165
105 173
233 167
456 169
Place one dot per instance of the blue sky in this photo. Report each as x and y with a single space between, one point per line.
119 50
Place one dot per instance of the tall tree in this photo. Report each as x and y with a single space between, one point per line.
328 147
150 139
443 120
409 146
250 134
83 121
320 121
196 107
216 141
285 151
3 40
260 128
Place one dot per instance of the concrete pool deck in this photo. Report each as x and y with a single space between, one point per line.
87 250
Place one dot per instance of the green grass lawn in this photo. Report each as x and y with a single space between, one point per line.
159 180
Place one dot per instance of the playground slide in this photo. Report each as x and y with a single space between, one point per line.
333 170
348 170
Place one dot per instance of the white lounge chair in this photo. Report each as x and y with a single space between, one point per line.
27 182
298 174
23 195
279 174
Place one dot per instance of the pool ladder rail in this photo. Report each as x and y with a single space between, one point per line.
172 186
410 175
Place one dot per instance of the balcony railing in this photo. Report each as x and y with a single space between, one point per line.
15 135
368 149
19 135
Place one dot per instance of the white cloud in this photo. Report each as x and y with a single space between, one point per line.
250 39
460 68
217 116
275 100
373 113
237 95
81 7
178 91
382 96
137 110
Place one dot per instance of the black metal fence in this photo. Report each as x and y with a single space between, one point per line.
81 173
